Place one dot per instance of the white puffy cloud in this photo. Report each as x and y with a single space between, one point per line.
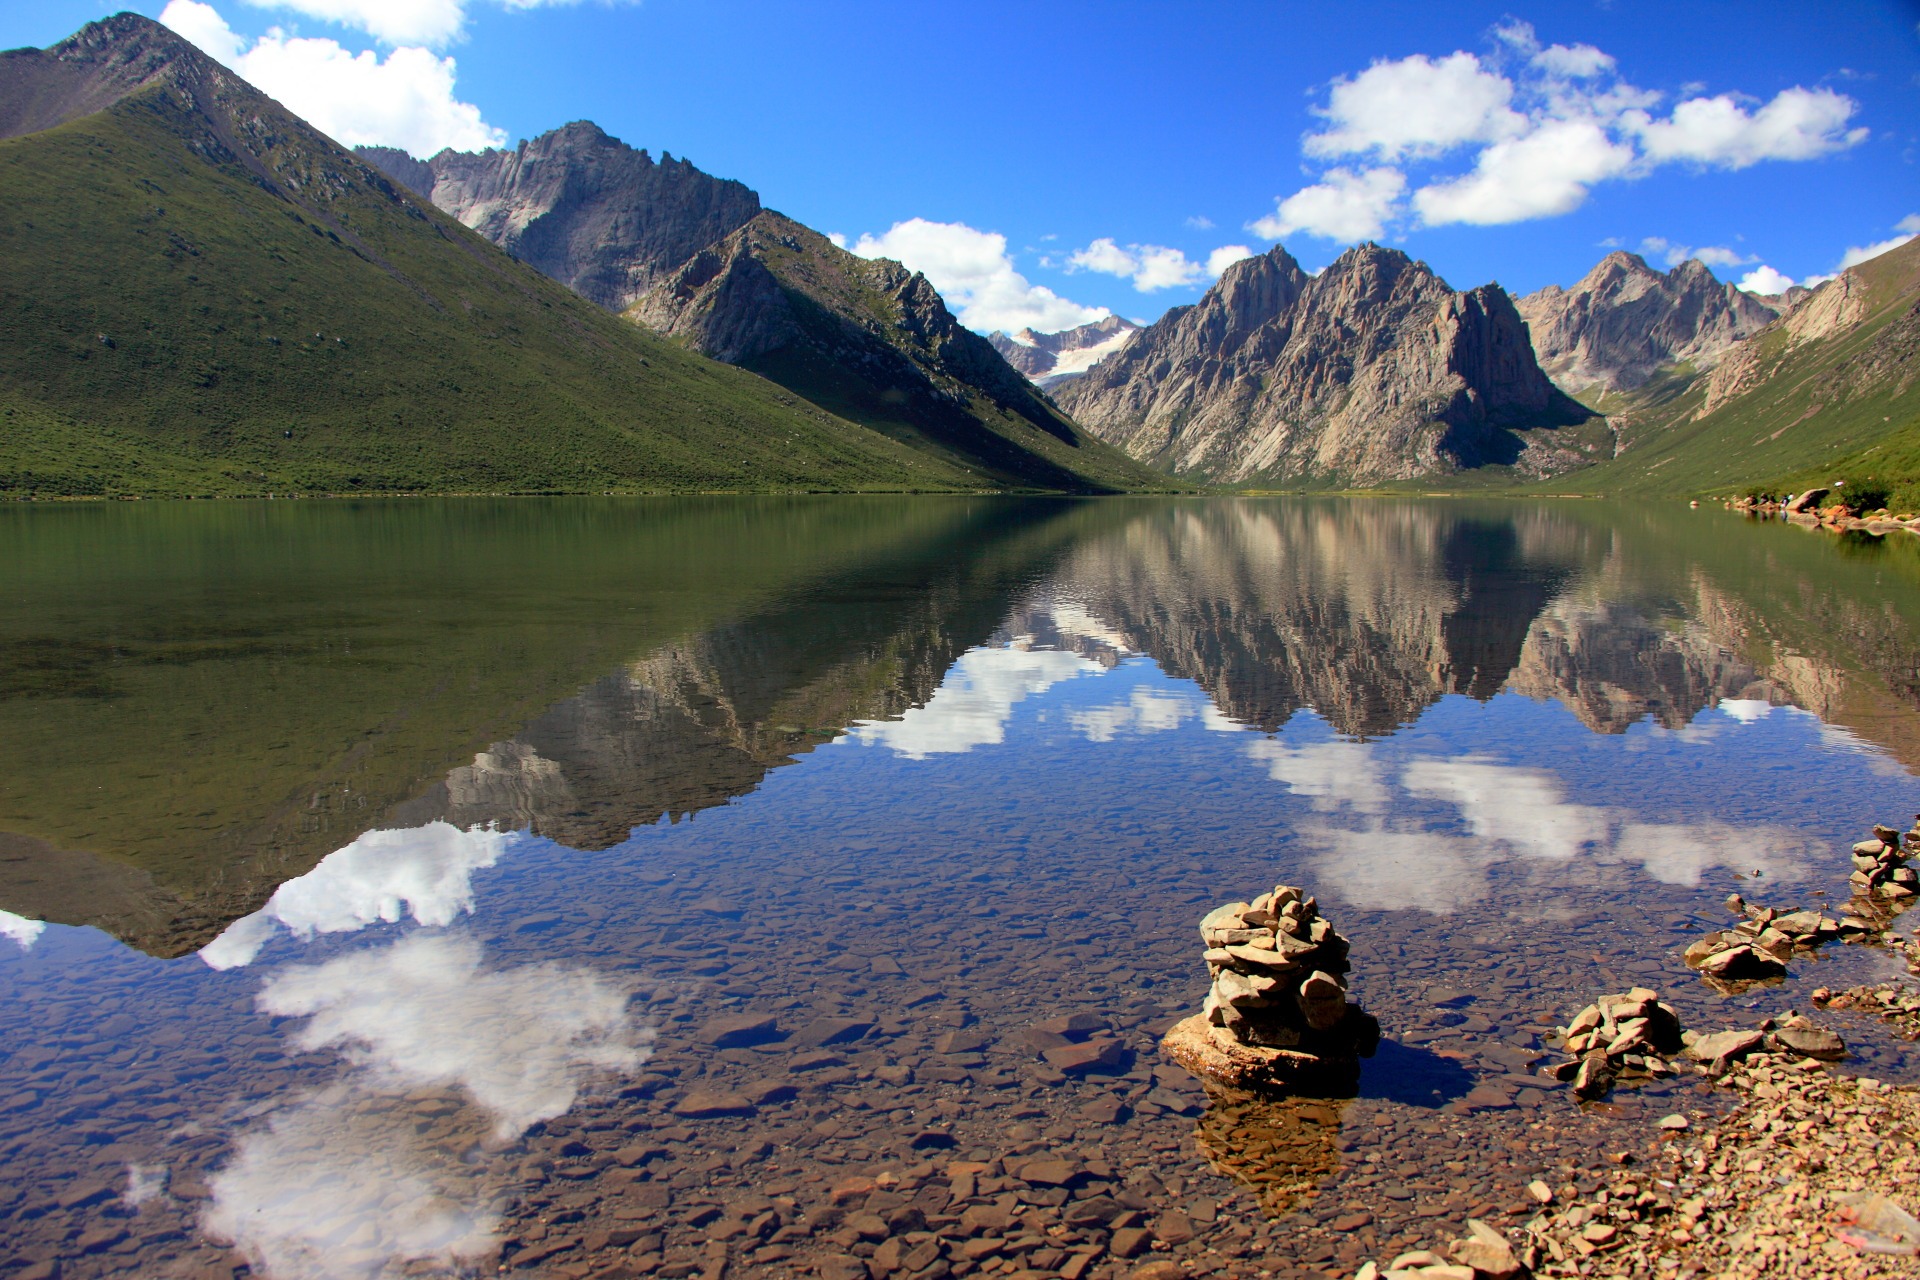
1147 711
432 22
974 702
422 872
1674 254
1416 106
1518 807
22 930
1200 222
1910 224
1343 205
1225 256
1541 174
1860 253
1540 125
1798 124
405 99
1764 279
973 271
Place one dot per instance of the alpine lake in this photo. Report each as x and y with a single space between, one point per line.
675 888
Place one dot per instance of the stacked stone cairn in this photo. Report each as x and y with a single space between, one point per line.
1759 947
1880 867
1276 1013
1617 1038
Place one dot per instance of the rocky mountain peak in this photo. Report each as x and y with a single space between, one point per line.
1624 320
1048 359
582 206
1375 369
94 68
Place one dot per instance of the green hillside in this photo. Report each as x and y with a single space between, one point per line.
1811 406
200 294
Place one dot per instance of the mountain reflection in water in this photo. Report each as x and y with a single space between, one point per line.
922 634
415 782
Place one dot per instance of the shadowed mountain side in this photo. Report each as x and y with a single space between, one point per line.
1364 613
202 294
874 342
240 691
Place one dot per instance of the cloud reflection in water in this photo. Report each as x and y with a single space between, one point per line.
20 929
973 704
424 872
350 1180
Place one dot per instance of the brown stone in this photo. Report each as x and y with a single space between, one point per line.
1192 1044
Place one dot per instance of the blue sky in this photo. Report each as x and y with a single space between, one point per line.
1045 161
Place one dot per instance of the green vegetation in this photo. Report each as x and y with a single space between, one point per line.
1811 409
180 319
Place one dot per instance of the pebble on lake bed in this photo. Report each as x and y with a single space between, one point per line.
1276 1014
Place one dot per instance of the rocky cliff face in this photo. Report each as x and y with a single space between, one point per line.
583 207
1374 370
1624 320
1048 359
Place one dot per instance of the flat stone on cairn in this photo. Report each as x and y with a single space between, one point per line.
1276 1015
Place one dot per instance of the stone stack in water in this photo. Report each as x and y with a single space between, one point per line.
1626 1035
1880 867
1276 1012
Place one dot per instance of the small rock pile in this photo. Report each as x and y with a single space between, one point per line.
1482 1254
1899 1006
1624 1037
1759 947
1276 1013
1880 867
1629 1039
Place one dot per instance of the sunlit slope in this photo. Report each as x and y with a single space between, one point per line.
201 294
1806 396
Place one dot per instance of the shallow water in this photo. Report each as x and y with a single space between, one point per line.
402 864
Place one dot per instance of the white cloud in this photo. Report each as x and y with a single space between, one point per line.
1541 125
1152 266
972 271
520 1042
1858 254
1573 61
1343 205
1200 222
974 702
22 930
1764 279
422 872
1798 124
1416 106
1909 224
1542 174
1225 256
432 22
404 100
1674 254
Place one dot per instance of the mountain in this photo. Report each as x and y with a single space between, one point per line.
697 259
1825 392
1374 370
200 293
1048 359
1614 329
582 207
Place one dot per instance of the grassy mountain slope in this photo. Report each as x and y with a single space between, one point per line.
200 294
1804 400
873 341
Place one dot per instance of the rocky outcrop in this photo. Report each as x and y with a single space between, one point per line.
868 338
583 207
1374 370
1624 320
1049 359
